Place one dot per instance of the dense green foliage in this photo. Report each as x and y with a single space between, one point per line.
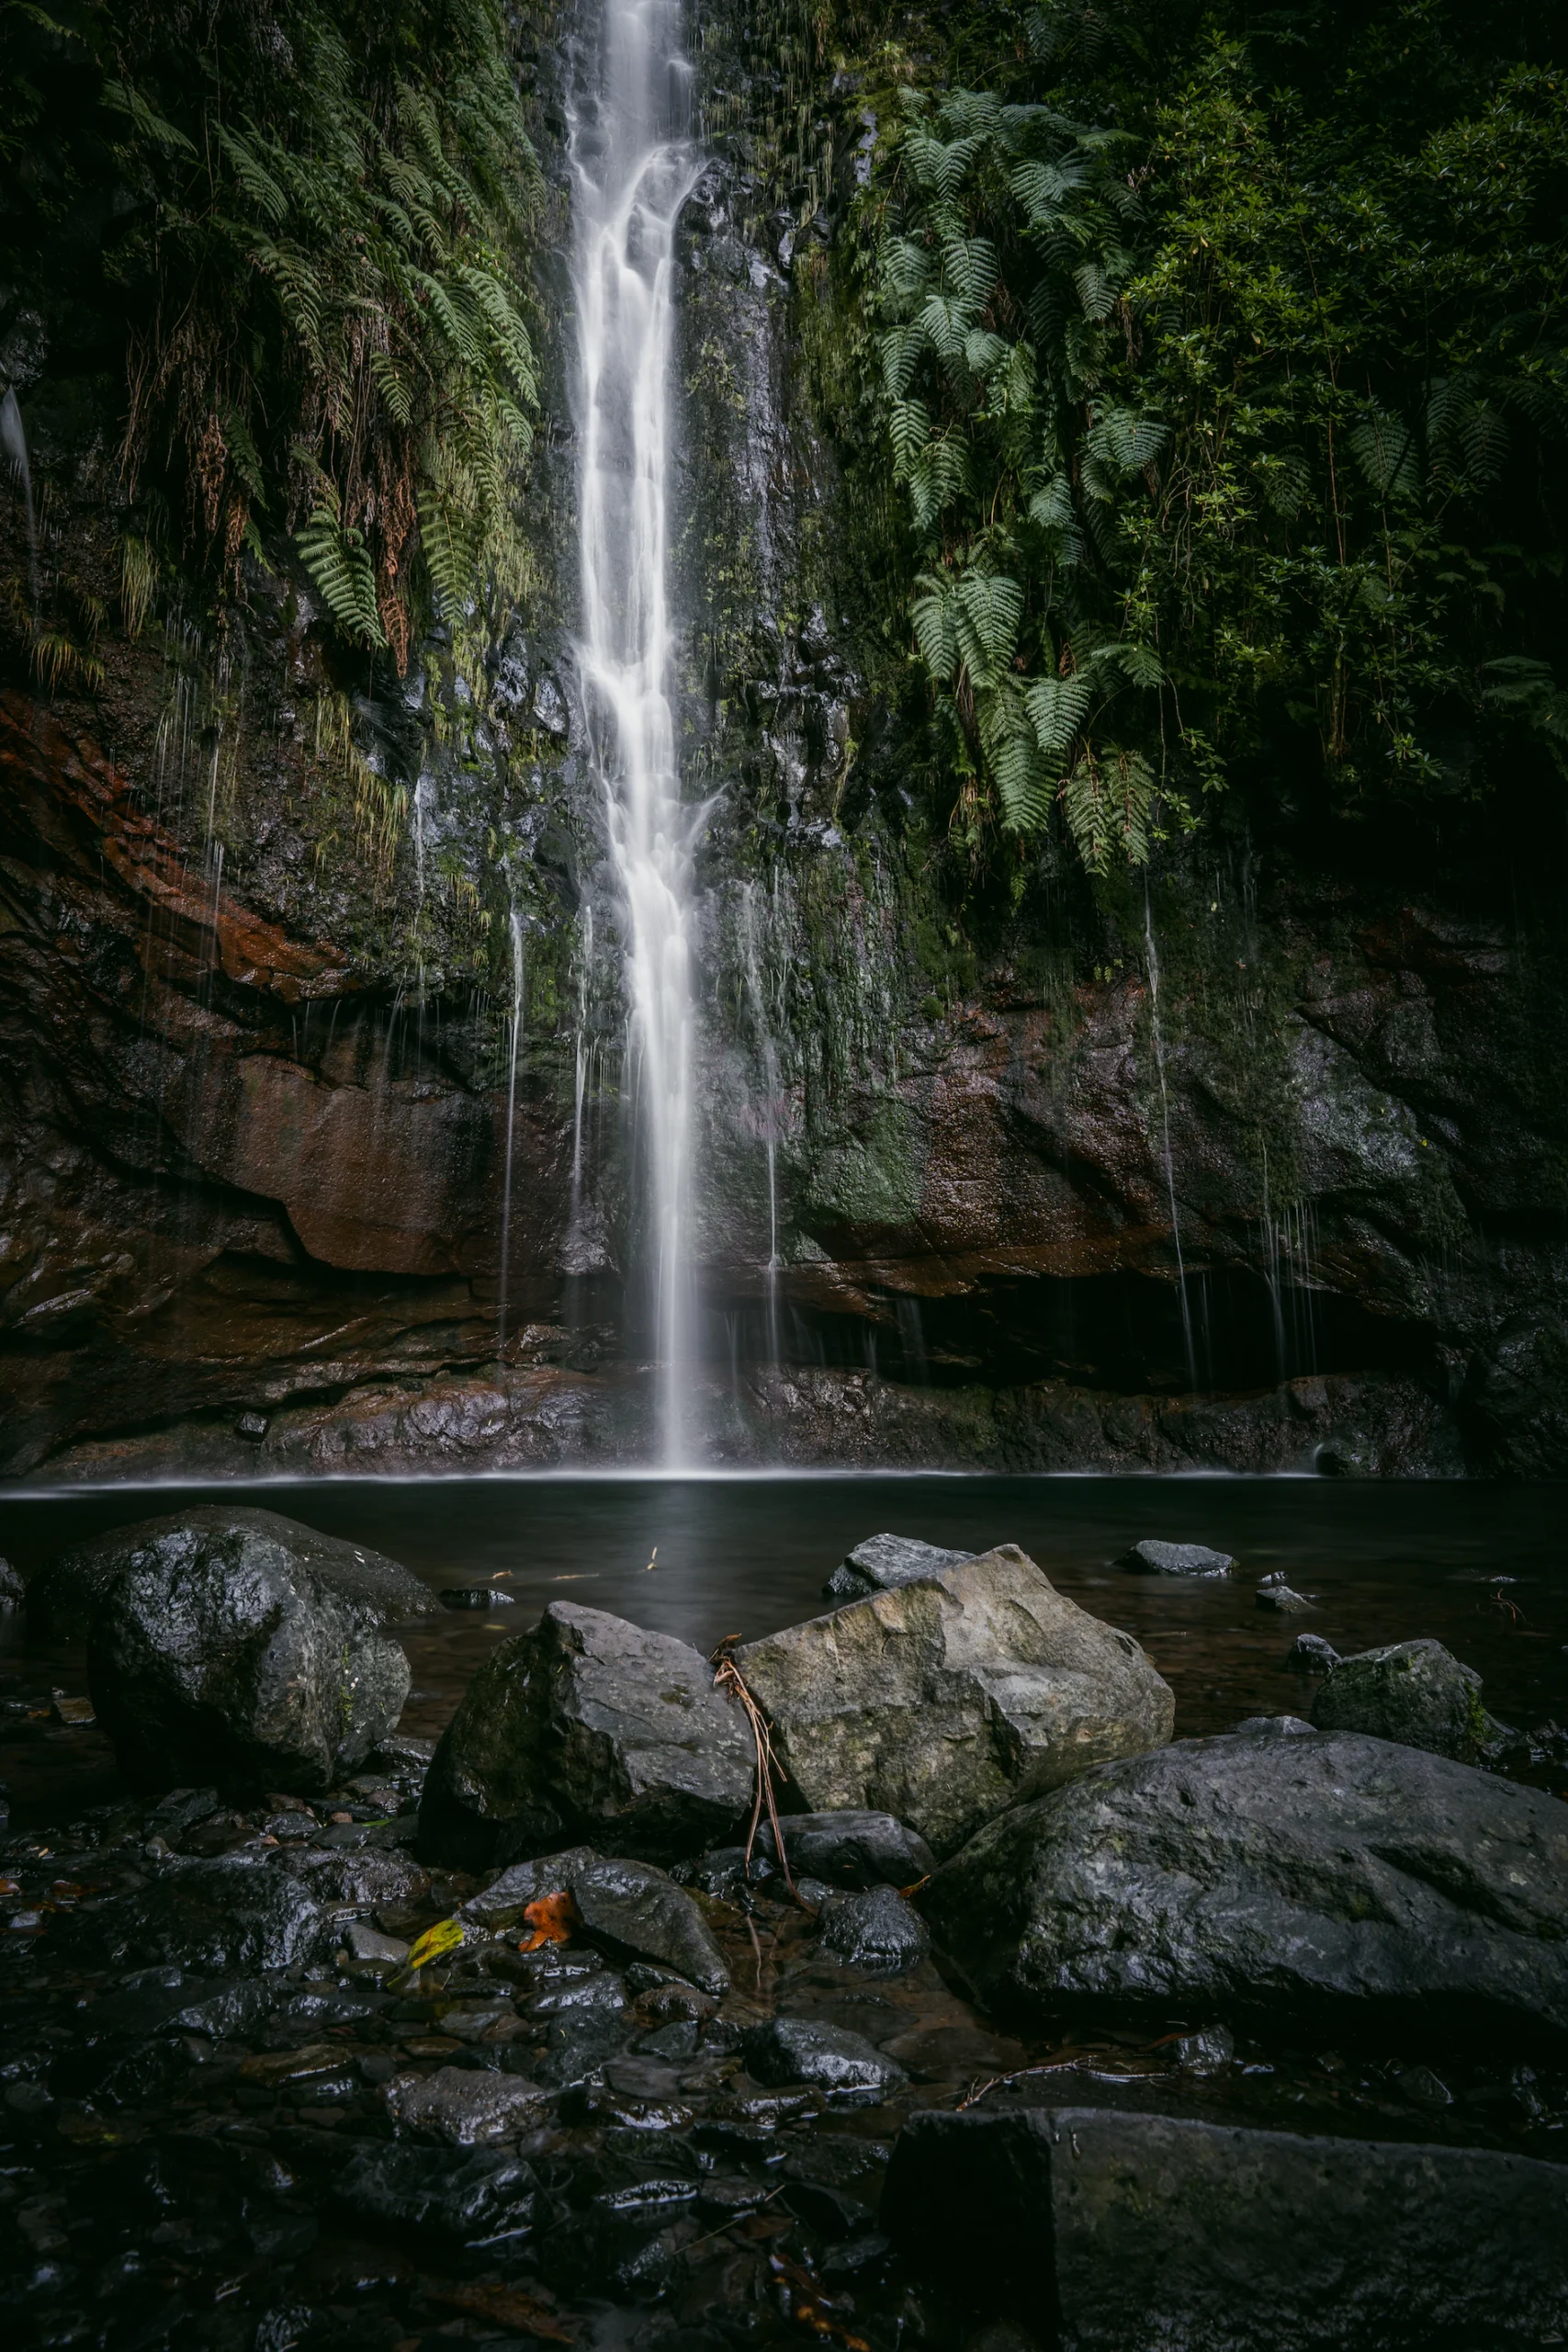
1225 363
297 229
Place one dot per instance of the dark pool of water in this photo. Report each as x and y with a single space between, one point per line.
745 1556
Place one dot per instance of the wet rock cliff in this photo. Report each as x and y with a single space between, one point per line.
317 1147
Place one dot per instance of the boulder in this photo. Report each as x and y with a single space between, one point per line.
1102 2230
850 1848
631 1907
1155 1559
239 1664
877 1931
588 1728
465 2106
882 1563
945 1701
1319 1874
852 2071
63 1598
237 1915
1415 1693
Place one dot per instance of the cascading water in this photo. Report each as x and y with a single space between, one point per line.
1188 1343
514 1027
634 167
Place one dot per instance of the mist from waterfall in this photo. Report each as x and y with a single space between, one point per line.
634 167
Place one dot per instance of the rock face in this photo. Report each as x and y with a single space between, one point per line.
1155 1559
234 1662
1105 2232
235 1913
945 1701
587 1727
1416 1692
63 1598
1322 1875
884 1562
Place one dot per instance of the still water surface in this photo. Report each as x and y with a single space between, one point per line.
1480 1568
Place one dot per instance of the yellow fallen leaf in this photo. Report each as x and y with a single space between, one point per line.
436 1942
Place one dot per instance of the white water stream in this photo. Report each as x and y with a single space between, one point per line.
635 166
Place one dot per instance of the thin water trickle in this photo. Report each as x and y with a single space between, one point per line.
633 168
13 446
579 1075
515 1029
1187 1341
768 1115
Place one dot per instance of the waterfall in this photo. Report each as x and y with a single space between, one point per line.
514 1027
14 443
1188 1344
633 168
767 1114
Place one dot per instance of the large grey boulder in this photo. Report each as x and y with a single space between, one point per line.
64 1596
1109 2232
944 1700
1322 1874
240 1665
883 1563
1416 1692
587 1728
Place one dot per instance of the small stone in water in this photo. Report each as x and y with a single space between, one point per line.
367 1944
1281 1601
1207 2052
1156 1559
1419 2083
476 1596
1310 1653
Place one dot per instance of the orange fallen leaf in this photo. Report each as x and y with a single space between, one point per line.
509 2308
552 1918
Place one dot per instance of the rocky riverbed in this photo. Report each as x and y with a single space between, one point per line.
1101 2038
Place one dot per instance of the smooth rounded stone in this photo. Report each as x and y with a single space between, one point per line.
1152 1558
1310 1653
1415 1693
850 1849
1322 1876
853 2071
437 2192
465 2106
64 1596
588 1727
234 1914
946 1701
502 1902
1274 1726
1116 2231
239 1664
366 1944
636 1909
882 1563
877 1931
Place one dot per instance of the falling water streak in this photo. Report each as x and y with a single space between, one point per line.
517 1029
767 1054
14 443
634 170
1187 1339
579 1086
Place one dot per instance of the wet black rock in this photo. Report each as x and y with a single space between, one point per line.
172 2000
587 1727
882 1563
1112 2231
850 1849
443 2194
13 1592
235 1914
64 1597
1155 1559
1416 1692
945 1701
1275 1596
877 1931
237 1663
465 2106
476 1596
1310 1653
851 2070
638 1912
1272 1877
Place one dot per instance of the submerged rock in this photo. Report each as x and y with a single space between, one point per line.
1310 1653
1415 1693
1272 1878
587 1727
850 1849
1277 1599
437 2192
64 1596
237 1663
1124 2232
947 1699
883 1563
1156 1559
